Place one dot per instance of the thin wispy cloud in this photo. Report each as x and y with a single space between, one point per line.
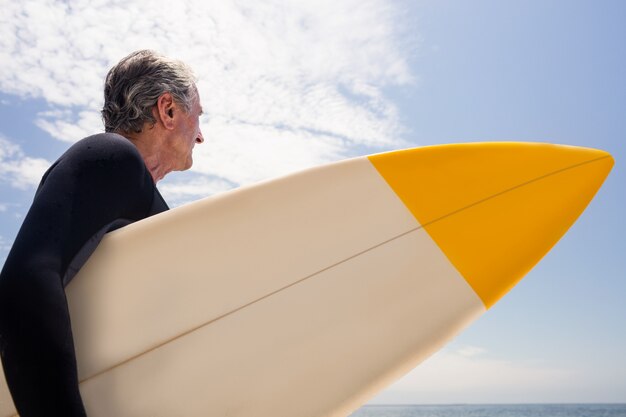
470 351
470 374
17 169
178 191
5 247
285 85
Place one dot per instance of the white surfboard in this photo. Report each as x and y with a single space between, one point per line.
306 295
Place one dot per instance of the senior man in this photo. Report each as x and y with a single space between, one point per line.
151 115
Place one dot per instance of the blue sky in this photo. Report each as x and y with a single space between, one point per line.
290 86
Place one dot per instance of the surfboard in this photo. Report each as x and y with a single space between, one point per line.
308 294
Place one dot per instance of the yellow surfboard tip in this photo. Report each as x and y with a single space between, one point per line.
495 209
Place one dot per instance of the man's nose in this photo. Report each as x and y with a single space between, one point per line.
200 138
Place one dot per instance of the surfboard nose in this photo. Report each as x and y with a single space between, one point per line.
499 207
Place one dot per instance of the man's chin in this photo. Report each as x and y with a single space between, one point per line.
188 164
185 166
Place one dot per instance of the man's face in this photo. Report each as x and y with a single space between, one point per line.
188 134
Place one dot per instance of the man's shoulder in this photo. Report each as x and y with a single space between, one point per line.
109 144
103 148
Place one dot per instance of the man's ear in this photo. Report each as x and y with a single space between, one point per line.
165 107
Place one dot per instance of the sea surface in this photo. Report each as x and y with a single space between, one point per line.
521 410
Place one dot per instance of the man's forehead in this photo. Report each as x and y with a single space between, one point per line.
197 103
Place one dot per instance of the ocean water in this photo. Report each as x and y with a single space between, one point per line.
521 410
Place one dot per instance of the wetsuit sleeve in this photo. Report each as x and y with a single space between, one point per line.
79 195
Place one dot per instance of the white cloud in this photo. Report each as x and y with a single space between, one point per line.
177 192
17 169
469 351
5 247
286 85
470 375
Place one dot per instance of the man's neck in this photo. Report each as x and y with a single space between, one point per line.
149 145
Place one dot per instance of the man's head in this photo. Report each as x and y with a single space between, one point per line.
133 87
153 99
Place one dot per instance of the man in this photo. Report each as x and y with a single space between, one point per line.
151 116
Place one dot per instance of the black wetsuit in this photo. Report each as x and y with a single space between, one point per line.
101 183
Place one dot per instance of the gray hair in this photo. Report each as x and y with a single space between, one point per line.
133 86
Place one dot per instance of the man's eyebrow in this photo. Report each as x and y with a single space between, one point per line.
201 111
